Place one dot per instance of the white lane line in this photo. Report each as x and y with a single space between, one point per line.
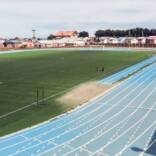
27 106
83 149
134 68
118 130
93 110
25 138
76 110
131 137
45 132
123 108
48 120
153 124
109 119
83 108
99 153
40 141
144 117
104 154
50 141
147 146
141 108
126 131
112 139
122 121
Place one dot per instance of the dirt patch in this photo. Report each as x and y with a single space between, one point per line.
83 93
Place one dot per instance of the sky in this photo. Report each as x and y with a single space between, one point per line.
19 17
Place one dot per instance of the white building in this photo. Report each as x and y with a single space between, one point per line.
133 40
142 40
66 41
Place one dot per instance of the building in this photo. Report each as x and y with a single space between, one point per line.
128 40
151 40
67 34
141 40
2 42
63 42
104 40
133 41
28 43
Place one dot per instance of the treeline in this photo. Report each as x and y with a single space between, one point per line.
136 32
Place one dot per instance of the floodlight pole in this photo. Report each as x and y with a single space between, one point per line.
34 33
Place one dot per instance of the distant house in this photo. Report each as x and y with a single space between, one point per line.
129 40
142 40
151 40
18 43
12 43
2 42
134 40
63 42
67 34
108 40
27 44
104 40
113 40
121 40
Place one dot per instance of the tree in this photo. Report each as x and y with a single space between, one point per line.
51 36
100 33
83 34
136 32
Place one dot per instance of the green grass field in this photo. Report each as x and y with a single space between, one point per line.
56 71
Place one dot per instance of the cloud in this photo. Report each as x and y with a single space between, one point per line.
19 17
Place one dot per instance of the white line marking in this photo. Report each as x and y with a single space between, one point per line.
141 120
120 121
147 146
111 117
98 107
139 136
144 117
62 114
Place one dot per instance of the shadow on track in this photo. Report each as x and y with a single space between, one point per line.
152 146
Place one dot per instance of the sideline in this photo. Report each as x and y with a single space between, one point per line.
81 49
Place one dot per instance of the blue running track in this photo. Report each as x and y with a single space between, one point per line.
120 123
124 73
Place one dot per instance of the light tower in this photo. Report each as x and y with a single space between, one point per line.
34 33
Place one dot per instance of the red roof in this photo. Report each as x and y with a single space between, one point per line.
66 33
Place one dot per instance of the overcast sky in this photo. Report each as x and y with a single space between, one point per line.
19 17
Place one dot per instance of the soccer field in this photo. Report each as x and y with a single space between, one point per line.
57 71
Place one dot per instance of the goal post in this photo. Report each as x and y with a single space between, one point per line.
40 96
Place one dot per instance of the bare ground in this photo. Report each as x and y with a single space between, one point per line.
83 93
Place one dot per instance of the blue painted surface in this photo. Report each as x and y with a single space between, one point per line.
124 73
123 121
